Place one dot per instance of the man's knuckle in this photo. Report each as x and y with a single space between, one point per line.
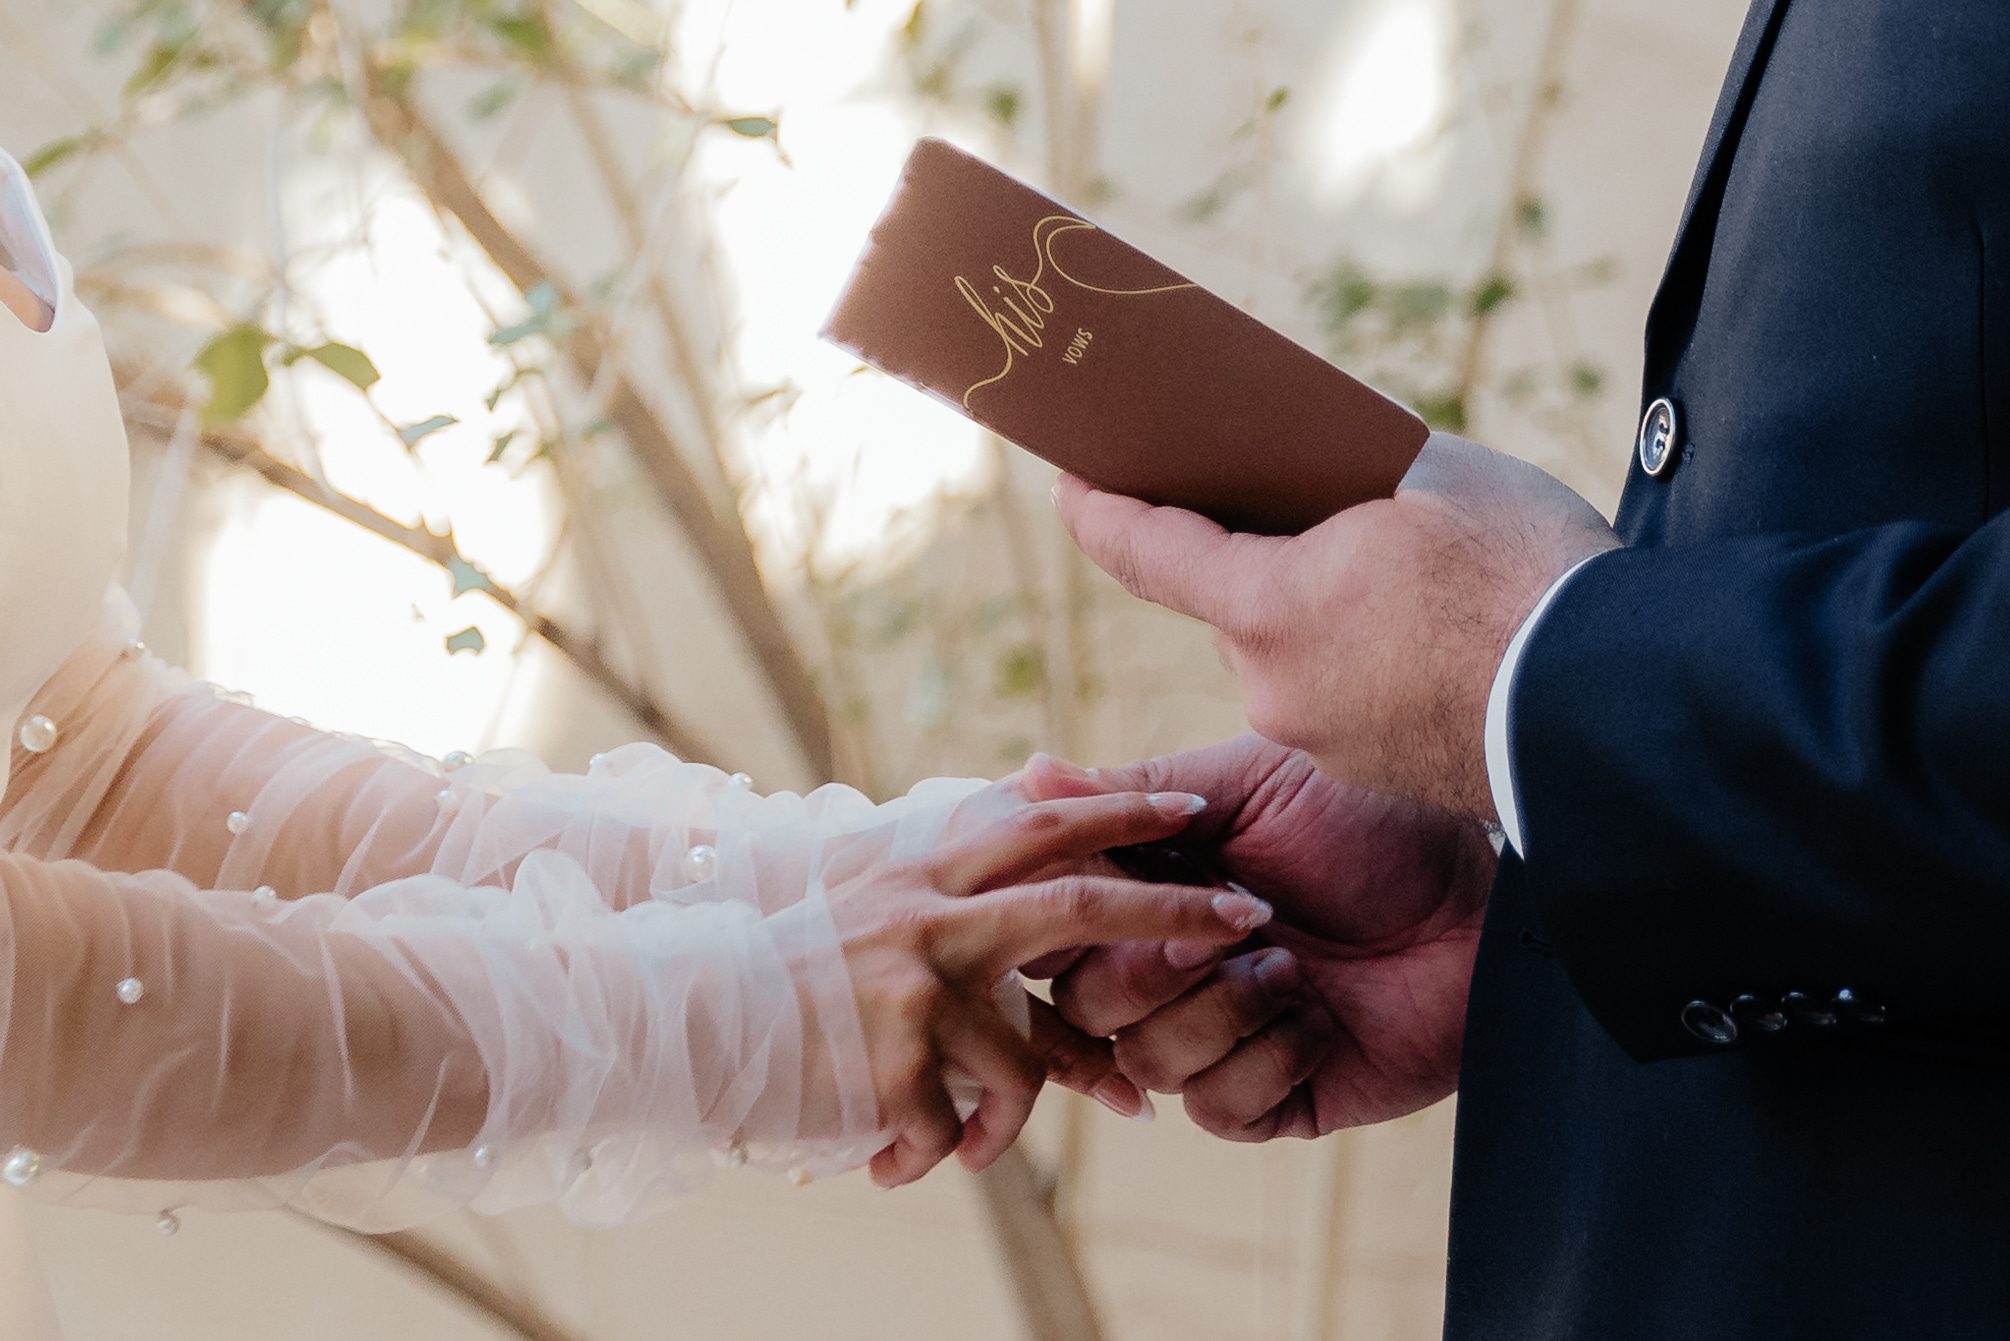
1208 1115
1138 984
1221 1119
1139 1058
1080 997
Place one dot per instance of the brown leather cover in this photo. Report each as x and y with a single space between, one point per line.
1054 334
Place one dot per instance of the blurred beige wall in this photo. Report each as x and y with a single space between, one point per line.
1185 1238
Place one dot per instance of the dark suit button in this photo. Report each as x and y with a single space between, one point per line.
1754 1013
1708 1023
1854 1008
1804 1009
1656 442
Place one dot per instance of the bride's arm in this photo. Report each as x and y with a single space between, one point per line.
493 1046
480 989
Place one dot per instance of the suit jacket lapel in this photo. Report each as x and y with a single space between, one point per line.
1754 39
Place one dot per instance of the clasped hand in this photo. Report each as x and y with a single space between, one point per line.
1366 649
926 943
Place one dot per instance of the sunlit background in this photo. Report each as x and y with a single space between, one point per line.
591 403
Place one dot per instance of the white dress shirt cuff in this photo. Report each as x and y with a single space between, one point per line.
1500 768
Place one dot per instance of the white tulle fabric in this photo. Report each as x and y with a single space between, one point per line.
368 985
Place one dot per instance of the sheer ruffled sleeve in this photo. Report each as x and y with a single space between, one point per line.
246 962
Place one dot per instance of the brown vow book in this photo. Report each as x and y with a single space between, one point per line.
1054 334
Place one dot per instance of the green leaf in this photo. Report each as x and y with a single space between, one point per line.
544 317
753 127
467 577
493 99
54 152
234 363
413 434
468 639
1002 102
506 336
1531 216
160 58
395 77
1445 411
112 33
1417 303
638 69
347 362
1278 97
934 82
285 22
526 34
1022 671
499 445
1493 291
1342 294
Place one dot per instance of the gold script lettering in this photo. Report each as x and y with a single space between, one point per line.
1027 303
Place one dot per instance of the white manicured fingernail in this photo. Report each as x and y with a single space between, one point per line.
1178 804
1244 912
1119 1096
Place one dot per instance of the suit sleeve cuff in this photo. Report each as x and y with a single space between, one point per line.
1500 766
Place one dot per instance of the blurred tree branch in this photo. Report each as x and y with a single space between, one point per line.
421 1256
1514 219
722 545
584 652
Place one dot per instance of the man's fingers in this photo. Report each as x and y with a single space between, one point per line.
1116 986
1197 1032
1046 834
1008 1071
1084 1064
1297 1116
1264 1070
1168 556
1009 927
1053 965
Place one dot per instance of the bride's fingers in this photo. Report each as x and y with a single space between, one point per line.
919 1111
1087 1065
1046 778
982 1046
1045 833
993 934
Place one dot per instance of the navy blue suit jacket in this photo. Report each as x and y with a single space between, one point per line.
1763 753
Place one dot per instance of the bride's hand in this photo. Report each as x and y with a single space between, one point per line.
924 956
21 300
